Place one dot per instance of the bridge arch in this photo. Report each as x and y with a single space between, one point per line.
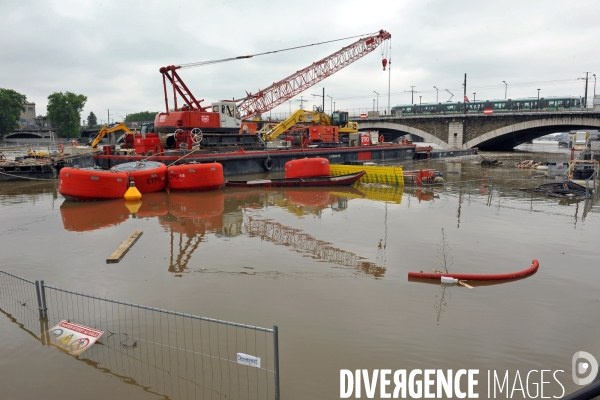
27 135
394 126
510 136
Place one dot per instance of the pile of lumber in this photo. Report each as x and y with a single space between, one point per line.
528 164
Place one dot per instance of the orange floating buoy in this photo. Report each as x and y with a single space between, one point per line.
149 176
307 168
82 184
196 177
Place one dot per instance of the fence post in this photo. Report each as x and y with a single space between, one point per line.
276 360
39 298
43 293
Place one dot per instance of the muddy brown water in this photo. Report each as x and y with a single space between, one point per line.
213 258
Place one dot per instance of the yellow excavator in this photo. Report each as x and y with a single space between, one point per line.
105 131
315 117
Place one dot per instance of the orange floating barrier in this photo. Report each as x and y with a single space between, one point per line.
196 177
307 168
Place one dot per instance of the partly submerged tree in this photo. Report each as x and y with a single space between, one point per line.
11 106
92 120
64 110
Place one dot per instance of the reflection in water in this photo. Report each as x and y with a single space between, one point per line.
189 217
515 199
422 194
440 303
440 299
88 216
26 192
303 201
303 242
381 259
378 192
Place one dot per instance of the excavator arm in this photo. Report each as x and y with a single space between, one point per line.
297 117
316 117
105 131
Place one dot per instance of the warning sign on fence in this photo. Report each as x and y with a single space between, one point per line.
74 338
246 359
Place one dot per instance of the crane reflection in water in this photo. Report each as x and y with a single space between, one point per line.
190 217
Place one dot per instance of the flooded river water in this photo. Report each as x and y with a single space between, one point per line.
329 268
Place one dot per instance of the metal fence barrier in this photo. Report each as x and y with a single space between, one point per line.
174 354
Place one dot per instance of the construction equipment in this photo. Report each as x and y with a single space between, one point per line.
106 130
339 120
227 123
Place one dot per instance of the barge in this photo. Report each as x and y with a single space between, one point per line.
240 161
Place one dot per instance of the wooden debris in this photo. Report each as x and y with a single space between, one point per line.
487 162
120 252
528 164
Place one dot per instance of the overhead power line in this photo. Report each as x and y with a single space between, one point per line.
522 84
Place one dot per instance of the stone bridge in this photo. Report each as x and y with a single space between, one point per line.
499 131
29 134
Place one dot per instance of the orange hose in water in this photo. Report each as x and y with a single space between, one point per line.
479 277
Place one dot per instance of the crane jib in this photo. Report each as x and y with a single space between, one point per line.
285 89
278 93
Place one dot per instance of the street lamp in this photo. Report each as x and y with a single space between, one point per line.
331 103
437 91
373 105
321 95
505 89
594 84
474 96
377 99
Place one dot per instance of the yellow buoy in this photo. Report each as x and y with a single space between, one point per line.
132 193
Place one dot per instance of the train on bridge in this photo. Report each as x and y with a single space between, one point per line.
510 105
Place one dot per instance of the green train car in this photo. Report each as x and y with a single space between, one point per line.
510 105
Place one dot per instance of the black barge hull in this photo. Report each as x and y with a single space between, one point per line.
250 162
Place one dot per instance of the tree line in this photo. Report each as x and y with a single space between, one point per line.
64 111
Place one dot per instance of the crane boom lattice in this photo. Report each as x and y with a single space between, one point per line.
279 92
303 242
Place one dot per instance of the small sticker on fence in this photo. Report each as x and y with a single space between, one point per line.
246 359
74 338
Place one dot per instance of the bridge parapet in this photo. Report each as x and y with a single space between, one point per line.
499 131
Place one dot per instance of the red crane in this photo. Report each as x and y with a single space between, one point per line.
193 122
280 92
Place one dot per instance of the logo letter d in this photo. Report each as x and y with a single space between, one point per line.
582 368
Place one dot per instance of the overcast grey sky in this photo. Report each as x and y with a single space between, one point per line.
111 50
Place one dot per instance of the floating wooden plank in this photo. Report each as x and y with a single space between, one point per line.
120 252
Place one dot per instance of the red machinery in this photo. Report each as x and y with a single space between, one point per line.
221 123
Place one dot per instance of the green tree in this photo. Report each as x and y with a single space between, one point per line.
92 120
64 110
143 116
11 105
